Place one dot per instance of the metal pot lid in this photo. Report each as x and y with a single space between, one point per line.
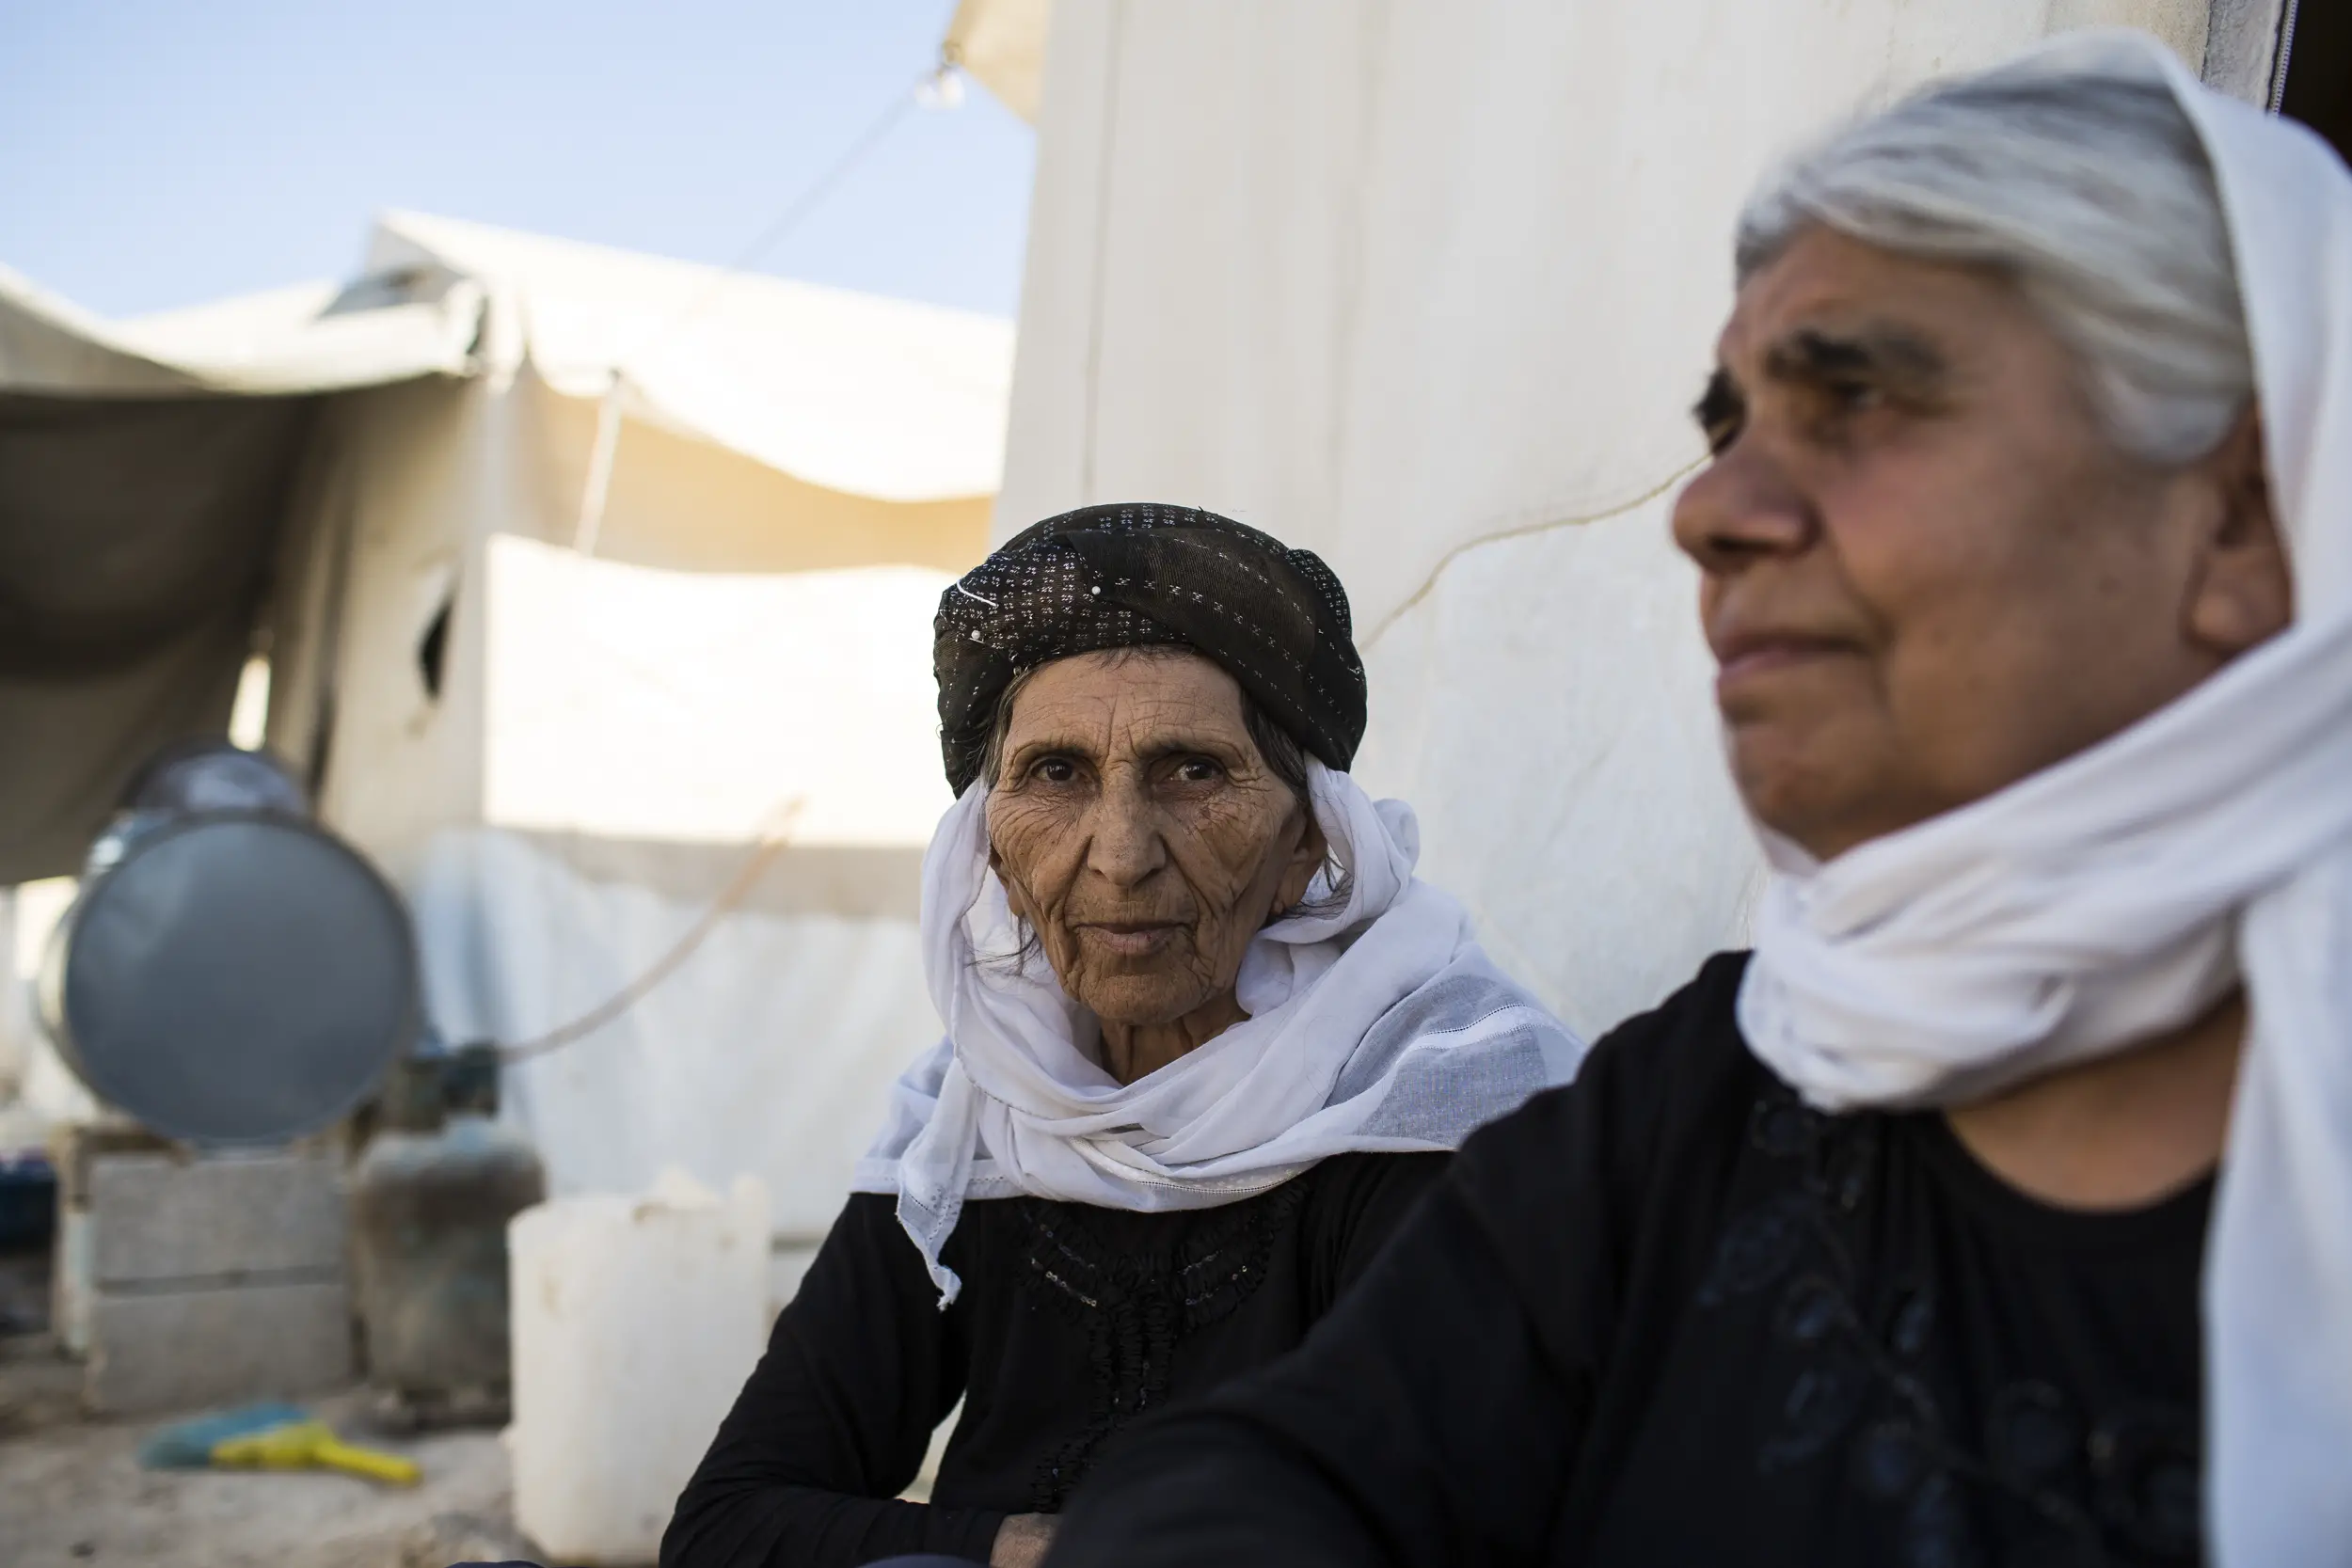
236 979
210 775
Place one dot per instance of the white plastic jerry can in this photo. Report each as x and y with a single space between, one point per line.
636 1321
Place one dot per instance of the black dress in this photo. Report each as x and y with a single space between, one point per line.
1669 1316
1072 1322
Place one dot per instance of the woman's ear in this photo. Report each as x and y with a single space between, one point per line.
2244 593
1306 858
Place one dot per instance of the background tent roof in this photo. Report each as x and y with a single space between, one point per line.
144 471
869 396
312 338
153 471
1003 44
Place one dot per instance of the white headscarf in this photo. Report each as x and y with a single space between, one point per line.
2123 891
1378 1026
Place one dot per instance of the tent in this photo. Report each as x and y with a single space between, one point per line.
142 482
1426 287
578 572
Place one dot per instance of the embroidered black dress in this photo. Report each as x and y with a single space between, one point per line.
1669 1316
1072 1322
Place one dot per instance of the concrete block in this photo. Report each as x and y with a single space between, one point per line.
73 1145
181 1349
162 1217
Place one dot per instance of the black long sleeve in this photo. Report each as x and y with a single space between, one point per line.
1670 1315
1428 1418
834 1423
1073 1321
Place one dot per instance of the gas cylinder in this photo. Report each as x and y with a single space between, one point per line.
430 1201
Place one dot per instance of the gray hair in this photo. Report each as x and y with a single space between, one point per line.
2089 189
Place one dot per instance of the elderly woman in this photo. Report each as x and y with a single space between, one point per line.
2027 553
1207 1040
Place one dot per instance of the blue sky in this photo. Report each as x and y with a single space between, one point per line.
160 152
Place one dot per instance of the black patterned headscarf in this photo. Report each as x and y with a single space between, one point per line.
1137 576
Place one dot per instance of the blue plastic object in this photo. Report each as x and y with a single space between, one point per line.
189 1445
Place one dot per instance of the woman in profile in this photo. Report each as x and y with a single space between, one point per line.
1207 1040
1997 1208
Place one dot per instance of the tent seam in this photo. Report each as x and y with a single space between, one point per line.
1524 531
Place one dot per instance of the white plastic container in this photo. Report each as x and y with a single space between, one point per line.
635 1322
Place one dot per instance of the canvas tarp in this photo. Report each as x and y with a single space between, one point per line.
1428 286
633 703
314 338
884 399
164 481
143 478
643 723
643 728
566 761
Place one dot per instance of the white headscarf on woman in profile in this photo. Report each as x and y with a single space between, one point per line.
2122 891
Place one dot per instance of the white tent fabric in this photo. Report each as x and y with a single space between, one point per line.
309 338
640 729
874 397
640 703
773 1051
786 496
643 727
566 761
1426 288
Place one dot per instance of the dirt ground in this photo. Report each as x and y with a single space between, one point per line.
73 1495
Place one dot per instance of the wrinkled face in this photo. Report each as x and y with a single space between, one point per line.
1926 571
1139 832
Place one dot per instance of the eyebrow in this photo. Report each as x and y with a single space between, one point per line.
1895 357
1178 743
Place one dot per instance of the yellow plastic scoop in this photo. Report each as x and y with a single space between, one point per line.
312 1445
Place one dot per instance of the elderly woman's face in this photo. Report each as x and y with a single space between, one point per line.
1926 571
1139 830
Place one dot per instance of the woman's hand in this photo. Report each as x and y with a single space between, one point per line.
1021 1541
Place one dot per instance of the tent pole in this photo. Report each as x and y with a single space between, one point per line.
599 483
